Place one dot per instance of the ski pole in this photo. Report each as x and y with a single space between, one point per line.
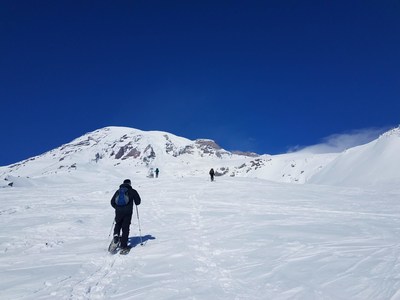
140 230
112 225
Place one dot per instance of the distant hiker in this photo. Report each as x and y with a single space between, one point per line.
212 174
157 171
123 200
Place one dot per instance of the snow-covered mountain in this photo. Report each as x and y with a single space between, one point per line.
241 237
375 163
122 150
117 148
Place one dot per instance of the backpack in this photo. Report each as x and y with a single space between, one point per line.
122 198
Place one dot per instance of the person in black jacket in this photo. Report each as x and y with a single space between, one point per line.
123 214
212 174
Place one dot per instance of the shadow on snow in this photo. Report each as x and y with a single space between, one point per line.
133 241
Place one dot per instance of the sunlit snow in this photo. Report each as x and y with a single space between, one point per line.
255 235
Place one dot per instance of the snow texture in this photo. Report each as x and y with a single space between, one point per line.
254 235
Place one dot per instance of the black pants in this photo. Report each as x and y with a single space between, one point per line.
123 219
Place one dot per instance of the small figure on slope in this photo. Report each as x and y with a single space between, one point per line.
212 174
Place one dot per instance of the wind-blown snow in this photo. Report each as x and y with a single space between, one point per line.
375 163
240 237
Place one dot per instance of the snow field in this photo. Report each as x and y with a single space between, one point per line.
235 238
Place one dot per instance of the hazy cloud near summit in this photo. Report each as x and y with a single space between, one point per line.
339 142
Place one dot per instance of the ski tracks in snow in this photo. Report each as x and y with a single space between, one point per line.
98 283
95 280
204 254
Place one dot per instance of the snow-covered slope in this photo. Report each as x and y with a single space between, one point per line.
375 163
236 238
122 150
240 237
118 148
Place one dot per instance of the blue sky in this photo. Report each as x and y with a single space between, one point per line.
262 76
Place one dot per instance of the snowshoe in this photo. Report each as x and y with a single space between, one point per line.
113 248
125 251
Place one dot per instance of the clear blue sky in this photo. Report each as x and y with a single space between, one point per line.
260 76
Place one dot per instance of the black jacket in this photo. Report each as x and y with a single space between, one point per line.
133 198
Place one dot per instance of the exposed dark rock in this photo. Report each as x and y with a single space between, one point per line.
221 171
120 153
135 153
148 154
257 163
187 150
209 147
207 144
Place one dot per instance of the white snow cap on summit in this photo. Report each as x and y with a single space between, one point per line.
115 149
337 143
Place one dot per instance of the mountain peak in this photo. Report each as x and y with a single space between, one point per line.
124 150
392 132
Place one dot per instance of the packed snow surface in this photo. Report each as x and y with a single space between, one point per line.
236 238
290 226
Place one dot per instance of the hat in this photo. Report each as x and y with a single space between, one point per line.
127 181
